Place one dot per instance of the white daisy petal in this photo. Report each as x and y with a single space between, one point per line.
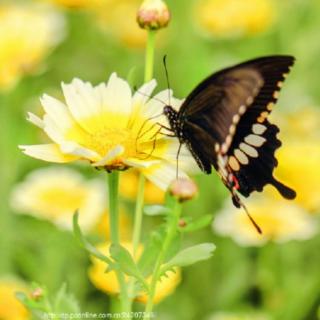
72 148
117 151
47 152
143 94
58 113
37 121
133 162
163 175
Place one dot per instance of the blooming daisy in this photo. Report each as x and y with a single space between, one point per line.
280 221
108 282
55 194
27 34
111 128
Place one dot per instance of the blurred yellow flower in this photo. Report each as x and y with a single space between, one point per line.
10 307
111 128
299 167
27 34
128 188
280 221
76 3
228 18
118 18
108 282
299 157
55 194
125 229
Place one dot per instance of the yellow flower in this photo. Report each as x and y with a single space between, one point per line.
280 221
76 3
299 167
108 282
225 18
125 229
128 188
55 194
10 307
111 128
27 35
299 157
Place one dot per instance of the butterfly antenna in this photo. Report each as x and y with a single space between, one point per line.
241 204
177 161
167 77
146 95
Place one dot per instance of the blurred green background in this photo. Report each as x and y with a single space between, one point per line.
273 281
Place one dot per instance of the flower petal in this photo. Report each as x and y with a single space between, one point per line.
73 148
117 151
163 175
37 121
47 152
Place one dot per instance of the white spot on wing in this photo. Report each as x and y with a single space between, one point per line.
259 128
250 151
241 156
255 140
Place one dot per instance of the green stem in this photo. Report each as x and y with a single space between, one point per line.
113 179
171 231
138 215
149 62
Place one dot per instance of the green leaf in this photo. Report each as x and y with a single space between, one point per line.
65 302
125 262
87 245
197 224
156 210
189 256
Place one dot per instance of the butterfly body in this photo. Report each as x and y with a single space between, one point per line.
224 123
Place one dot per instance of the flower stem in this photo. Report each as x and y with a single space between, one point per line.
113 179
138 215
149 60
171 231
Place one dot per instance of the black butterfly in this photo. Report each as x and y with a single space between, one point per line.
224 123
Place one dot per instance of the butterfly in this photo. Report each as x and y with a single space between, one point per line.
224 124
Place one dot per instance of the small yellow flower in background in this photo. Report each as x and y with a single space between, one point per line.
10 307
108 282
111 128
299 157
55 194
27 35
280 221
74 4
125 230
300 124
229 18
128 188
299 167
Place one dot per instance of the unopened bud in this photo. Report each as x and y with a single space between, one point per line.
153 15
182 223
183 189
36 294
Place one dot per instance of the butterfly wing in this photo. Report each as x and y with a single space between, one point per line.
230 109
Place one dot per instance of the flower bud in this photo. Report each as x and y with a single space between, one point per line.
153 15
183 189
36 294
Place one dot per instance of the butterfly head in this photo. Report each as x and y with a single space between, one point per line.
173 118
